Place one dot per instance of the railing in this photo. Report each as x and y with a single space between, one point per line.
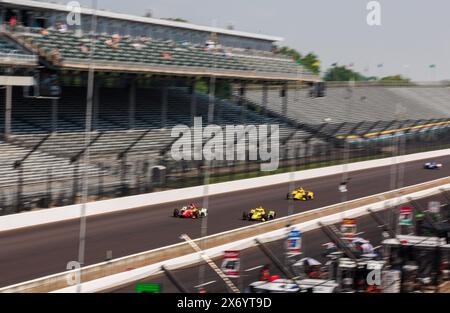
185 70
108 176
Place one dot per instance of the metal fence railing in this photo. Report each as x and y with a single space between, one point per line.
136 174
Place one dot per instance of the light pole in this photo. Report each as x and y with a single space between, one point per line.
397 167
343 186
206 168
87 139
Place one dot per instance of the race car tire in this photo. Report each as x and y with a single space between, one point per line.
195 215
176 213
288 196
244 216
264 218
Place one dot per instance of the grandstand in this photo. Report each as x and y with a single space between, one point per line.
362 110
147 80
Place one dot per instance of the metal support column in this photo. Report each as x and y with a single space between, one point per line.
164 106
49 199
54 116
193 101
285 101
243 103
96 105
283 269
8 109
382 224
132 105
19 199
264 98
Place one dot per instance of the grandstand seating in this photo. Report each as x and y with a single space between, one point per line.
11 52
341 113
32 120
118 149
6 47
32 117
134 50
437 99
361 110
35 168
363 104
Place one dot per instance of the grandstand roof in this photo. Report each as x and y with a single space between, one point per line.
135 18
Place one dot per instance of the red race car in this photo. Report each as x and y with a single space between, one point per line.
190 211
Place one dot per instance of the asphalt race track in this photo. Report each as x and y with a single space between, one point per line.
250 260
39 251
253 258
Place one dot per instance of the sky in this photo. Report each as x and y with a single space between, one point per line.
413 33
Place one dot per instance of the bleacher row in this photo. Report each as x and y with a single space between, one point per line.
7 48
36 169
31 122
361 110
154 52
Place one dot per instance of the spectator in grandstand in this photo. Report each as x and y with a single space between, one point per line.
13 22
84 48
55 55
209 45
114 41
138 45
61 27
145 39
44 32
228 54
165 55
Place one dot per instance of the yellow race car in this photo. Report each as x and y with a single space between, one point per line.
300 194
259 214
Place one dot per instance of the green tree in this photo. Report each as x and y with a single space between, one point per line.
296 56
309 61
396 78
341 73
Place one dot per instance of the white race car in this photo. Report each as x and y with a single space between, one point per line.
432 166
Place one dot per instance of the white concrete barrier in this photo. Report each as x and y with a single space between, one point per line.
28 219
121 279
